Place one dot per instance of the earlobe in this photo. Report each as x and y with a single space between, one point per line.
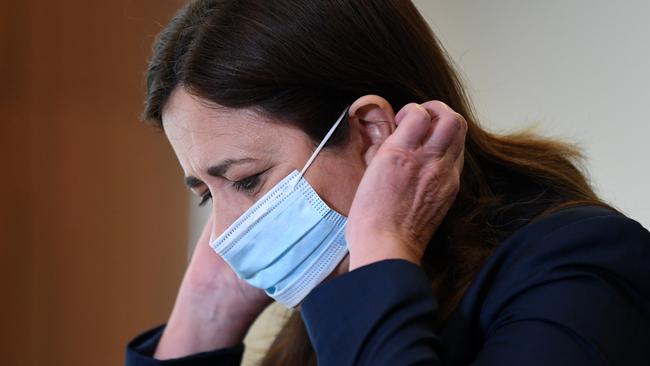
376 121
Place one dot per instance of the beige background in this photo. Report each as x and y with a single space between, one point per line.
577 69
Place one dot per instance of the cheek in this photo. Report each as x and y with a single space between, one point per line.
227 206
338 190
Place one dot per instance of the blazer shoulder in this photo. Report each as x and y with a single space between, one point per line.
563 218
563 253
581 231
597 241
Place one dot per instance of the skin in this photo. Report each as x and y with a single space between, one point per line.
411 160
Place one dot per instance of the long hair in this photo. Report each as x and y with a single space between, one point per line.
301 62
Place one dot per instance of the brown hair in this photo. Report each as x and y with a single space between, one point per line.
303 61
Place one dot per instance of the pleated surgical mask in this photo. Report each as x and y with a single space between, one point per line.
289 241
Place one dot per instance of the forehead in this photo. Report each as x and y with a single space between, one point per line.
188 119
201 133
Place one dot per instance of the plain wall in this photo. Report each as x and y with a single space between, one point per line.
92 214
578 70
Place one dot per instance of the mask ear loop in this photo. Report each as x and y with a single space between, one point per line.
321 145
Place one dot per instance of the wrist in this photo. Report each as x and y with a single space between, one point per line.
372 250
364 260
202 325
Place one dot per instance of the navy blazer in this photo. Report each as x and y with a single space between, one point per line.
572 288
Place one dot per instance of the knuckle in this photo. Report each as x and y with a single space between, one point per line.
463 122
457 121
399 157
443 105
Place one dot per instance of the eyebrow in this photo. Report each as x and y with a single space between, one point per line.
218 170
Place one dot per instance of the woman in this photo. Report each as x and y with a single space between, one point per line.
408 238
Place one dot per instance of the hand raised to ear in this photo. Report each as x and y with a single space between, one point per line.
408 187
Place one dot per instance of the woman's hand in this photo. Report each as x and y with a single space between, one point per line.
214 308
408 187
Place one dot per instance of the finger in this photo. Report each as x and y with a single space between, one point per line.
448 132
459 163
436 107
457 146
413 127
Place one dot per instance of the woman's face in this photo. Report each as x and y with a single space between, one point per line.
236 156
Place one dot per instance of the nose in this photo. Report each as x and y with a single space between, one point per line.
222 219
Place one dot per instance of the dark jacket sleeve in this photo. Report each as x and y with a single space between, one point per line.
140 350
578 295
380 314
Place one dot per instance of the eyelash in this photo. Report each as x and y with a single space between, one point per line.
245 185
205 198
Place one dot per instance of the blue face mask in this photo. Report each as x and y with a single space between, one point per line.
289 240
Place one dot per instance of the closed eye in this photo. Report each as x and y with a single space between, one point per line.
248 184
205 197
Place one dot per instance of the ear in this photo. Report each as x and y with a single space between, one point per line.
374 118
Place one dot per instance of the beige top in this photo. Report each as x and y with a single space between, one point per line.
263 332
